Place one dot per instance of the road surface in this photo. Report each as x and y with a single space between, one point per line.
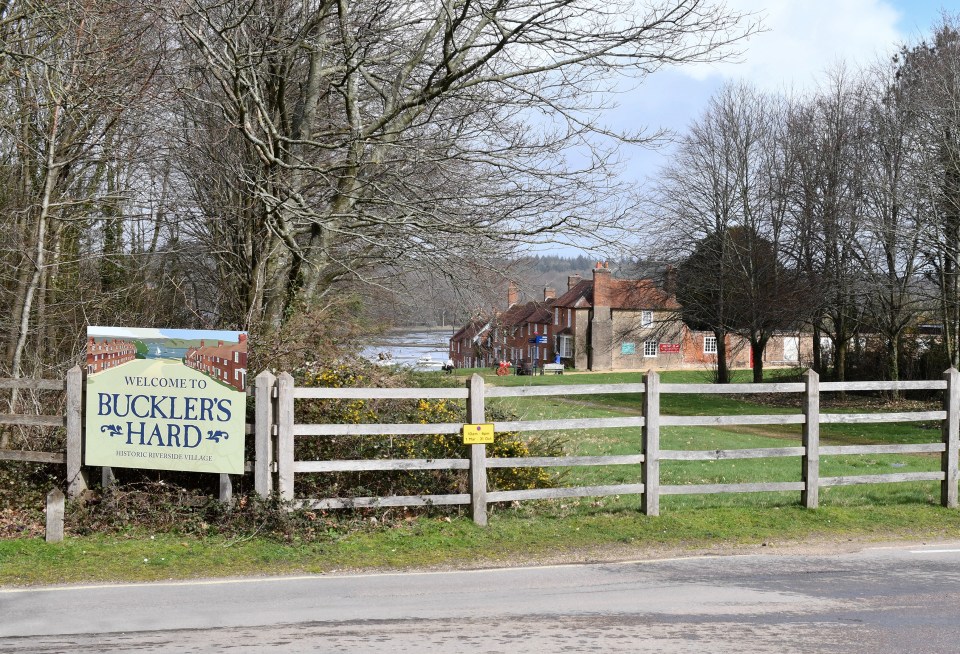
897 599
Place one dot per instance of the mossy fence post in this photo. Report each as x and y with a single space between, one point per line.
650 475
76 475
478 453
810 470
951 425
265 428
285 436
55 513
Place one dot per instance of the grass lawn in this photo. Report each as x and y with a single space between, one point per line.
628 441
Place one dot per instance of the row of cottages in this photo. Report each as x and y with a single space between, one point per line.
225 362
605 323
108 353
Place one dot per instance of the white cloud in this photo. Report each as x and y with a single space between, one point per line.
804 38
123 332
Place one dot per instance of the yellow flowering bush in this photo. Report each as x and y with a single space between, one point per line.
431 446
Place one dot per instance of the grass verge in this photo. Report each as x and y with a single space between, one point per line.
564 533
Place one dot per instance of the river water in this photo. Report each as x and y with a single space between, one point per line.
421 349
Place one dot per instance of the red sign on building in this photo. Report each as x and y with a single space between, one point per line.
670 348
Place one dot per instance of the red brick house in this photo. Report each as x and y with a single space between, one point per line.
108 353
606 324
610 324
469 345
226 363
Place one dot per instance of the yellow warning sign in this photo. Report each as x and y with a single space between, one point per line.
477 434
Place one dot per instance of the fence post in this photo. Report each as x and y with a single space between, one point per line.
951 425
478 453
810 470
263 434
650 475
55 510
226 489
76 476
107 478
285 435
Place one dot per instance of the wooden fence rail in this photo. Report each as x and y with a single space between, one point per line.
276 429
648 456
71 420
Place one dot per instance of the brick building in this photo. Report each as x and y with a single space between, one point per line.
606 324
226 363
108 353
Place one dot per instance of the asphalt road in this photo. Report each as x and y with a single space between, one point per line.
897 600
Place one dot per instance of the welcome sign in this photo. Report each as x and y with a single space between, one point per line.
166 399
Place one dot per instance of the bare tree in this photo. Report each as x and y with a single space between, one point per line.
894 220
928 77
69 73
365 136
725 196
829 135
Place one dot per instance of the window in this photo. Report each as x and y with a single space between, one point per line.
569 316
556 316
709 344
650 348
565 346
646 318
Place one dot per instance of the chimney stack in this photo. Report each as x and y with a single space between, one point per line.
549 293
670 280
573 281
513 294
601 285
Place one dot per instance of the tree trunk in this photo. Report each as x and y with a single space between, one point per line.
757 348
817 351
723 372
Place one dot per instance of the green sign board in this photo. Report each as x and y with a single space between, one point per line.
628 348
166 399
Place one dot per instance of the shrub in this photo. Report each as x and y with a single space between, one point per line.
433 446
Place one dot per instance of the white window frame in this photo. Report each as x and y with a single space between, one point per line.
646 318
706 347
565 346
650 348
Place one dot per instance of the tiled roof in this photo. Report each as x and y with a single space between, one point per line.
624 294
470 330
220 349
528 312
639 294
572 298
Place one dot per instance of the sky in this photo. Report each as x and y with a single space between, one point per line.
803 40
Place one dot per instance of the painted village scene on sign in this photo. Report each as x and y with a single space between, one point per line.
166 399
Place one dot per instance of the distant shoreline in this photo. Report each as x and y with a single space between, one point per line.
447 328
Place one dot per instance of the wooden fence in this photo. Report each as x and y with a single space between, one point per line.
71 420
287 429
276 430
